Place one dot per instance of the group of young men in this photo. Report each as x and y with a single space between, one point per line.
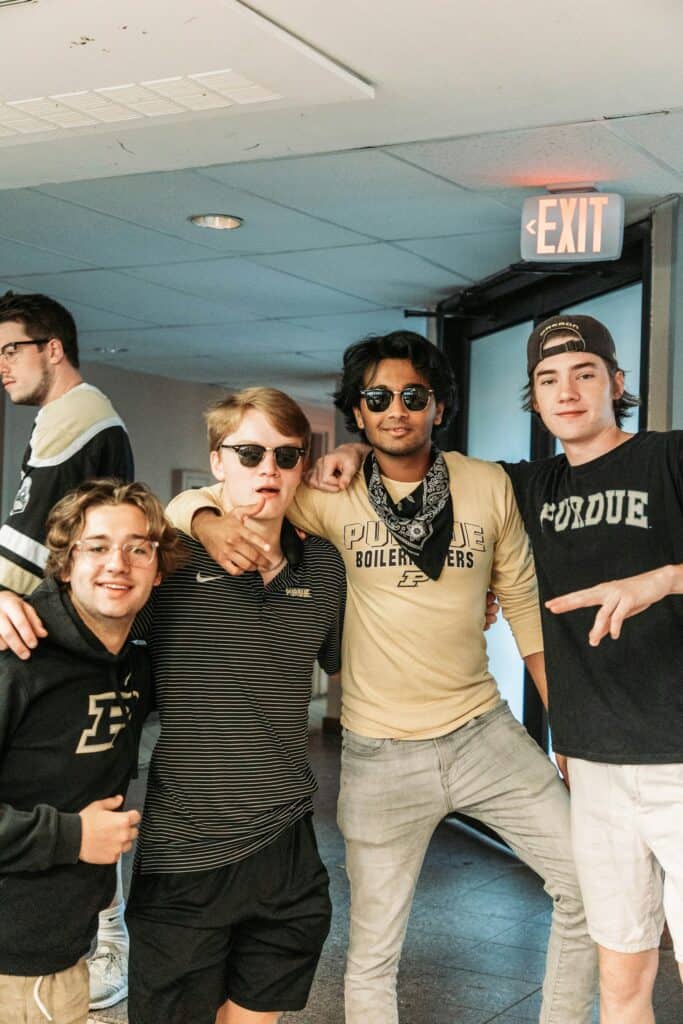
228 909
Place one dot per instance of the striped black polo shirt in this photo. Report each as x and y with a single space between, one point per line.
233 661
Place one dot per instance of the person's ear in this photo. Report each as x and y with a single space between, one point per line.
618 384
217 467
358 417
55 351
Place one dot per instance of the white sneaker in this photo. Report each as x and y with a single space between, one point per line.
108 967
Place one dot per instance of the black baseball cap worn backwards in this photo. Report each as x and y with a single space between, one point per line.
586 335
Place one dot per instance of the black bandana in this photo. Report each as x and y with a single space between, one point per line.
422 522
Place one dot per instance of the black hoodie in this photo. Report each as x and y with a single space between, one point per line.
70 722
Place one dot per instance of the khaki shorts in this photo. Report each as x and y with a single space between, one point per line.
627 837
62 998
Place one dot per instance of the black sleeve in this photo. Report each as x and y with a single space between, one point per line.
37 839
108 454
142 624
329 655
520 474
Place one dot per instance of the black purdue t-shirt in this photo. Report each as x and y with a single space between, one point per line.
619 515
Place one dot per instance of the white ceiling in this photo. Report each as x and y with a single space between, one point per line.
391 169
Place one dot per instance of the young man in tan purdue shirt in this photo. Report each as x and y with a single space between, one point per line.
425 731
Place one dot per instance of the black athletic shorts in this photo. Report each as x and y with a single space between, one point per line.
251 932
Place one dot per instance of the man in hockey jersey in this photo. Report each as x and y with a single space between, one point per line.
70 721
77 435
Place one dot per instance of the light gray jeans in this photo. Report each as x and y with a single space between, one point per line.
393 795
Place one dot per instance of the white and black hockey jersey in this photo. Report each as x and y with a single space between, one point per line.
75 438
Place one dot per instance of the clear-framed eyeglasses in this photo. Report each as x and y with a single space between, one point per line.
138 553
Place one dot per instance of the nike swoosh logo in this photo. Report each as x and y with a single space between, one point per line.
201 578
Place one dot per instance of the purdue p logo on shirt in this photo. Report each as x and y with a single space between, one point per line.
108 717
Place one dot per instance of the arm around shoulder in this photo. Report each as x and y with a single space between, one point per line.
182 509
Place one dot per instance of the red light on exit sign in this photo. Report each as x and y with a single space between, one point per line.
573 227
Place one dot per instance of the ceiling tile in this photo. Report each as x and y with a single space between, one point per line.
87 317
16 258
252 291
35 218
661 134
164 202
471 256
534 158
290 372
367 191
215 341
387 275
351 327
126 295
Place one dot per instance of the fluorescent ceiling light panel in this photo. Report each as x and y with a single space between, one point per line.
162 97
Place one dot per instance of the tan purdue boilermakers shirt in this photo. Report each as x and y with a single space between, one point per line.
414 662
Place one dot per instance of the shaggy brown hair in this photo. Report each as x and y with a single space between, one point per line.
67 519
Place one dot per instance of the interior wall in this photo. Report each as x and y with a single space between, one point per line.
677 321
164 421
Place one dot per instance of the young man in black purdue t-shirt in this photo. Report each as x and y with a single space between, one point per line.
611 509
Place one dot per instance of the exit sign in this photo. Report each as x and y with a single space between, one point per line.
573 227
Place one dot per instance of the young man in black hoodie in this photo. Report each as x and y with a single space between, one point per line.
70 721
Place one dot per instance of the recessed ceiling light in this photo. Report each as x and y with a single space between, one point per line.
217 221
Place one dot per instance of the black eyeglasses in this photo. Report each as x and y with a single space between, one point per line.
250 455
10 350
415 397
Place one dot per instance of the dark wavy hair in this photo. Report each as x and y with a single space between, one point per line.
42 317
622 406
361 359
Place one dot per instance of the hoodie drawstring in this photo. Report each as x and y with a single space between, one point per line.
38 1001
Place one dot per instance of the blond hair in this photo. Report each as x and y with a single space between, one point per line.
66 521
286 415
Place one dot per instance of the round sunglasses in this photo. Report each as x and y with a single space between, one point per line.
415 397
250 455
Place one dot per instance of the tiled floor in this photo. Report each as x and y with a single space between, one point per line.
475 947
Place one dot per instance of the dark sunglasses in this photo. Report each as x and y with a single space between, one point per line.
415 397
250 455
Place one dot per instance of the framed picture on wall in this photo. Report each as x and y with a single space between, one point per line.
189 479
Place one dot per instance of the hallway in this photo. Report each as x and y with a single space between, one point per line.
476 941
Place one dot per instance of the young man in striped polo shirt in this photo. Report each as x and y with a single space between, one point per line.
229 905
